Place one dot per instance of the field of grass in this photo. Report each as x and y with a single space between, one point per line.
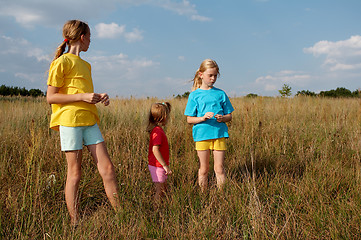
293 168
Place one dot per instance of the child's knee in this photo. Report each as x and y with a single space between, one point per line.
74 176
107 172
219 170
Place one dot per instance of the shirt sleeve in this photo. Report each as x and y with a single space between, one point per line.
156 137
227 105
56 73
191 108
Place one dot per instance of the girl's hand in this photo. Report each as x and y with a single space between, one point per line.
219 117
104 98
167 170
92 98
208 115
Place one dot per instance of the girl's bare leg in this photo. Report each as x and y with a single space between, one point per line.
107 172
218 167
160 190
72 184
203 168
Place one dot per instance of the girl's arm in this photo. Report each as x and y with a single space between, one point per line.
159 157
195 120
223 118
54 97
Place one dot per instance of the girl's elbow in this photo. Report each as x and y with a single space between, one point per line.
49 99
189 120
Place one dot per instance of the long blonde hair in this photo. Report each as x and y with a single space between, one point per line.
206 64
72 32
158 114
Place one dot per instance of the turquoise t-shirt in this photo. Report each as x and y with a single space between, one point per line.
202 101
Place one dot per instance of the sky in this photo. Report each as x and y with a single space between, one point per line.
152 48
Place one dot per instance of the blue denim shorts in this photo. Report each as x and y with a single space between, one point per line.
73 138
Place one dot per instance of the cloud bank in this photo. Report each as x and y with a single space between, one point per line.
113 30
342 60
340 55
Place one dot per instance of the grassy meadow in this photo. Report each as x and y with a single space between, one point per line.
293 168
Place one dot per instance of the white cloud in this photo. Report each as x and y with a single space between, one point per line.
340 55
121 72
274 82
200 18
22 64
183 8
120 75
134 36
29 13
31 78
111 30
22 15
19 46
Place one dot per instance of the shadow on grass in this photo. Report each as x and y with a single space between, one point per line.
280 165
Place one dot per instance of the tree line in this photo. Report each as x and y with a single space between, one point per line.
17 91
339 92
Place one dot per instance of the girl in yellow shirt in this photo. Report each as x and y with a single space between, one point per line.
71 95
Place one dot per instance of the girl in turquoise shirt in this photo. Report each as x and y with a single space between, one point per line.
209 108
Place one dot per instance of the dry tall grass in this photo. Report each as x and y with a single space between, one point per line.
293 168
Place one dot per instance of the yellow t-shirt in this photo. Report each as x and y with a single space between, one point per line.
72 75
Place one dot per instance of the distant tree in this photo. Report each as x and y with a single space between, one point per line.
251 95
343 92
184 95
23 92
36 93
4 90
306 93
330 93
356 93
285 91
339 92
16 91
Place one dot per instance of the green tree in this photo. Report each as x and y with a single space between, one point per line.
35 92
339 92
306 93
251 95
185 95
285 91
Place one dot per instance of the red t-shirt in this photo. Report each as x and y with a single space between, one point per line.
158 137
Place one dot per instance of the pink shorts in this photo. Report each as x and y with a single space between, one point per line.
158 174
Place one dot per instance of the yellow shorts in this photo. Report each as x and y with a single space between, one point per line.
218 144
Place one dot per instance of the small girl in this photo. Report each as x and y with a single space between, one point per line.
74 114
158 155
208 108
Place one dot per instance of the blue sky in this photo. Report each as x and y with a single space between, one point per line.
152 48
